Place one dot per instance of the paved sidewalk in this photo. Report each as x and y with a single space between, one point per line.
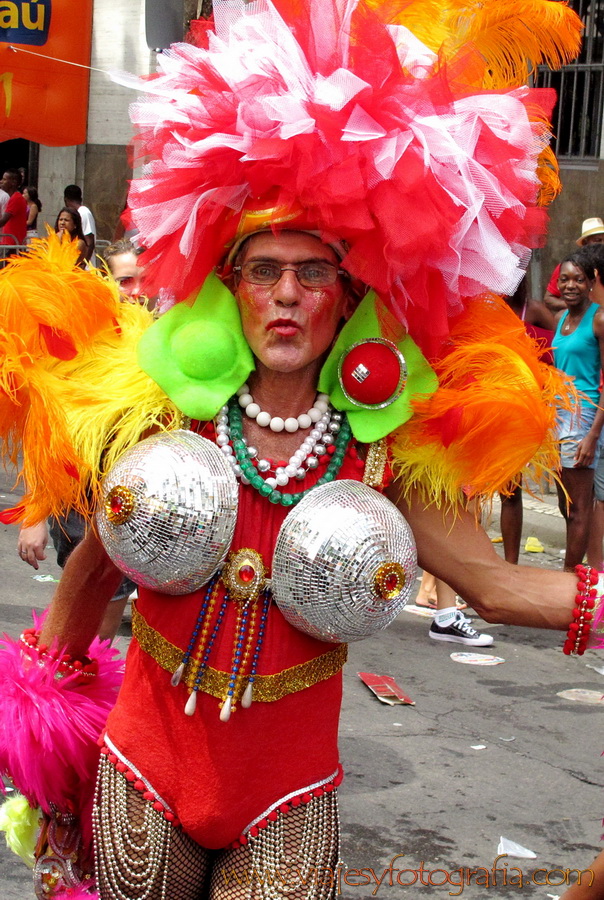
541 519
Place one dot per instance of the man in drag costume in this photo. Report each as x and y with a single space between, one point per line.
333 191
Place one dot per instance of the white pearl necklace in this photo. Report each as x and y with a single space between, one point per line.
276 423
305 457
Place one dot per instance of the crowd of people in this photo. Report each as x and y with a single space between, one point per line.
568 324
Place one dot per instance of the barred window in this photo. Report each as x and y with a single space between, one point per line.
577 119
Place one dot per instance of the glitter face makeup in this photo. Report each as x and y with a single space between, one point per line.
286 325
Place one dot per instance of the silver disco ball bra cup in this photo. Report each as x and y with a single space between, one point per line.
344 564
168 511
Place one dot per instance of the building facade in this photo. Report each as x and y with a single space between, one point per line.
101 166
579 143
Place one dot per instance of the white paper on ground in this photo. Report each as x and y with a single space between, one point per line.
511 848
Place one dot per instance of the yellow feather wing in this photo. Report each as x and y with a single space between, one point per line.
68 373
495 408
490 43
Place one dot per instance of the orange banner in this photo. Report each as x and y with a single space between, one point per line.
42 99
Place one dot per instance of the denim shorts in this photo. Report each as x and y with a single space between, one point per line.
599 474
571 429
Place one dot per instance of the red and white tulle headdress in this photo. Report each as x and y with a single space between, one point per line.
404 129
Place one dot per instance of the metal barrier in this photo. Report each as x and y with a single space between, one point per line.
8 250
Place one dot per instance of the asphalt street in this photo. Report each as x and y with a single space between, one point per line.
485 753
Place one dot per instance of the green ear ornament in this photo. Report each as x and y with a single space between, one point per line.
197 354
374 380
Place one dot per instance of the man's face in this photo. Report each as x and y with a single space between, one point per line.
289 326
594 239
127 273
8 183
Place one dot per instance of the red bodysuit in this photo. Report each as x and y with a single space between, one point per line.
220 778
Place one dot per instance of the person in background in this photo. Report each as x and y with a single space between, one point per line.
592 232
69 222
540 324
579 352
72 197
13 221
4 198
593 254
449 622
34 208
122 260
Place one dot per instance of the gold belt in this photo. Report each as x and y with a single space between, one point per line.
214 682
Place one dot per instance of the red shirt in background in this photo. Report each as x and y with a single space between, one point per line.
17 224
552 287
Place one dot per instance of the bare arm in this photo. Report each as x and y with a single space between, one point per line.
89 581
538 314
553 303
90 245
587 447
459 551
83 253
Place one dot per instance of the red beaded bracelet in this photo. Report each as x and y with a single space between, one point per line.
578 630
85 668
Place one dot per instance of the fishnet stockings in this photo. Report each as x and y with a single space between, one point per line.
294 858
140 856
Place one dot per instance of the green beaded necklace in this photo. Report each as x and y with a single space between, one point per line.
257 481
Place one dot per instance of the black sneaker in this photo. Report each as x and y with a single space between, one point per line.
460 632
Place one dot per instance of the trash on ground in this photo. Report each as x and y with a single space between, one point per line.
533 545
581 695
511 848
477 659
45 578
497 540
478 747
385 689
507 740
598 669
424 611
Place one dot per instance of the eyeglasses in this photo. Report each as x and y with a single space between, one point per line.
309 274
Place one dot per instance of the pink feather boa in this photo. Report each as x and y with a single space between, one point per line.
79 893
596 640
50 727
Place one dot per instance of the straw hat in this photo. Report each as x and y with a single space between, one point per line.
590 227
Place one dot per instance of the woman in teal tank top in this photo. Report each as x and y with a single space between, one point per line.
579 351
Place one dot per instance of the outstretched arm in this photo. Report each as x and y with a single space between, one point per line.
458 550
88 582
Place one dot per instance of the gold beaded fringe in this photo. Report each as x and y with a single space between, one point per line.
267 688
